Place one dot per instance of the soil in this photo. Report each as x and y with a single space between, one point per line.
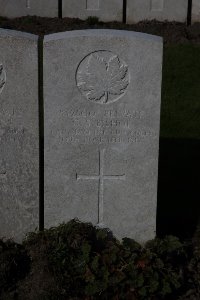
172 32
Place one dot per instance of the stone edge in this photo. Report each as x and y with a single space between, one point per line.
18 34
102 32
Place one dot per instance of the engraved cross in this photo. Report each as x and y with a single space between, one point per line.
92 4
28 3
157 5
101 178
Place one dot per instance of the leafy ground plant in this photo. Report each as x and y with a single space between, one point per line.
78 261
92 20
14 265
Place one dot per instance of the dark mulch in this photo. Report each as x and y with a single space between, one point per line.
172 32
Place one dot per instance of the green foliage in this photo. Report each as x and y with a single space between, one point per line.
14 264
92 20
88 263
192 270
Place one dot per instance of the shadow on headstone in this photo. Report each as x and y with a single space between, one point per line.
178 187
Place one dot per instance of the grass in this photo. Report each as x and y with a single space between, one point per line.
180 111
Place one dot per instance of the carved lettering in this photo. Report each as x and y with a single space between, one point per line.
108 114
79 113
104 126
112 123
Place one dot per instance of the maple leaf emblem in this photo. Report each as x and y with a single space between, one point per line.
2 78
103 80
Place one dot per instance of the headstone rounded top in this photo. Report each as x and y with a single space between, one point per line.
102 77
17 34
104 33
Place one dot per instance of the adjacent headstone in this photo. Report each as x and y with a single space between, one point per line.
195 11
105 10
19 166
102 91
161 10
19 8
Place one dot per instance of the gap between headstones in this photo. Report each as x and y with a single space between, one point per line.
60 9
189 14
124 11
41 132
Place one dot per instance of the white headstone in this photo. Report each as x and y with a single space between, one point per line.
19 8
105 10
161 10
195 11
19 134
102 91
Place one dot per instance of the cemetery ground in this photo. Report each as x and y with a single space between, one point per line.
76 261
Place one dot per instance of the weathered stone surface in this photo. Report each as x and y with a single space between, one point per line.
102 111
105 10
195 11
19 8
161 10
19 175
